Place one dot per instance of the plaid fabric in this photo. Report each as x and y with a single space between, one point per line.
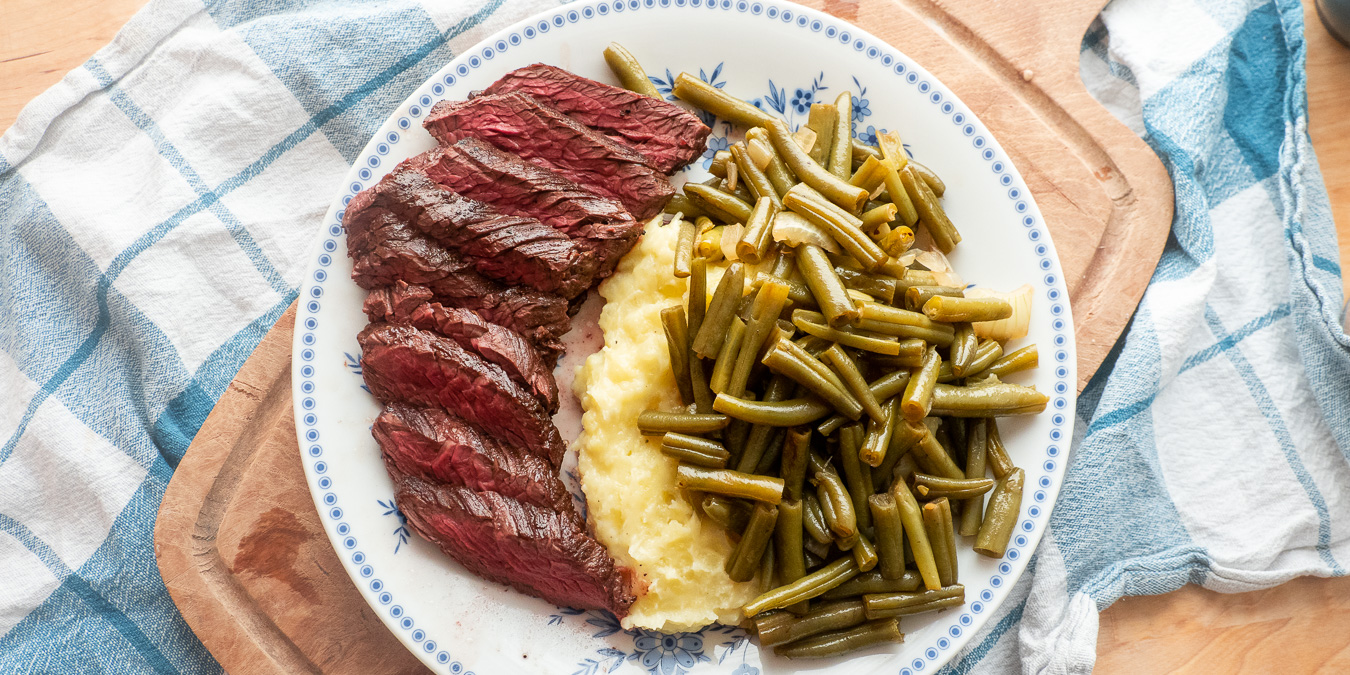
155 205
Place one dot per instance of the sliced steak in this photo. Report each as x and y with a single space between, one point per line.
537 551
523 126
512 249
668 136
478 170
402 363
498 345
440 447
385 249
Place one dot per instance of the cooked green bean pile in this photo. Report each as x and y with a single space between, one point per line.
841 405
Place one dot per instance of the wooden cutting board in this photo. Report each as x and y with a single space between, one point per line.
238 541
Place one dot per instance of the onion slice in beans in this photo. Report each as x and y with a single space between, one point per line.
1011 328
793 230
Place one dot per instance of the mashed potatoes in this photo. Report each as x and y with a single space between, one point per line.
634 504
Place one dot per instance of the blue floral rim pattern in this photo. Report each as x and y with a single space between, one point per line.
686 649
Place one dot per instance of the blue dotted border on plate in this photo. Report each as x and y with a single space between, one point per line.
845 34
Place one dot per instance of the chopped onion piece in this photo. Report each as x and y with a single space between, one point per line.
907 258
934 261
1011 328
759 153
949 278
792 229
731 235
805 138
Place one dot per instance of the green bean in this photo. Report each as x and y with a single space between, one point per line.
847 370
976 446
868 175
684 245
880 313
890 605
934 458
795 461
842 226
629 71
731 514
918 397
897 241
917 296
937 522
681 204
912 351
724 206
873 582
718 166
677 343
874 218
813 323
655 423
798 292
864 553
998 459
789 413
755 178
767 566
758 235
813 519
703 394
995 399
695 450
858 481
932 487
904 206
826 287
778 173
878 439
843 641
721 104
884 387
963 349
730 483
1005 504
777 628
698 294
745 558
890 535
761 435
951 433
764 311
862 151
787 546
713 331
837 191
1022 359
821 122
985 355
836 504
840 159
934 183
953 309
734 438
769 458
815 553
726 358
878 286
782 361
804 588
939 225
904 435
912 518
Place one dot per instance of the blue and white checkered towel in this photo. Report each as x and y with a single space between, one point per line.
155 205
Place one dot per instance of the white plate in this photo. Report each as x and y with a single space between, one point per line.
781 55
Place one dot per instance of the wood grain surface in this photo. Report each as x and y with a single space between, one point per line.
1299 627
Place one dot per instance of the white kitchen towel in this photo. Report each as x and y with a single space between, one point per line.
155 206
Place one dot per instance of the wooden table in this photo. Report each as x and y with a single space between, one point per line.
1302 626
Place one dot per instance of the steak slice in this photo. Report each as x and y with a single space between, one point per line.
435 445
533 131
501 346
537 551
478 170
668 136
386 249
512 249
402 363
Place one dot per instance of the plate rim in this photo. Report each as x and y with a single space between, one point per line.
1031 527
